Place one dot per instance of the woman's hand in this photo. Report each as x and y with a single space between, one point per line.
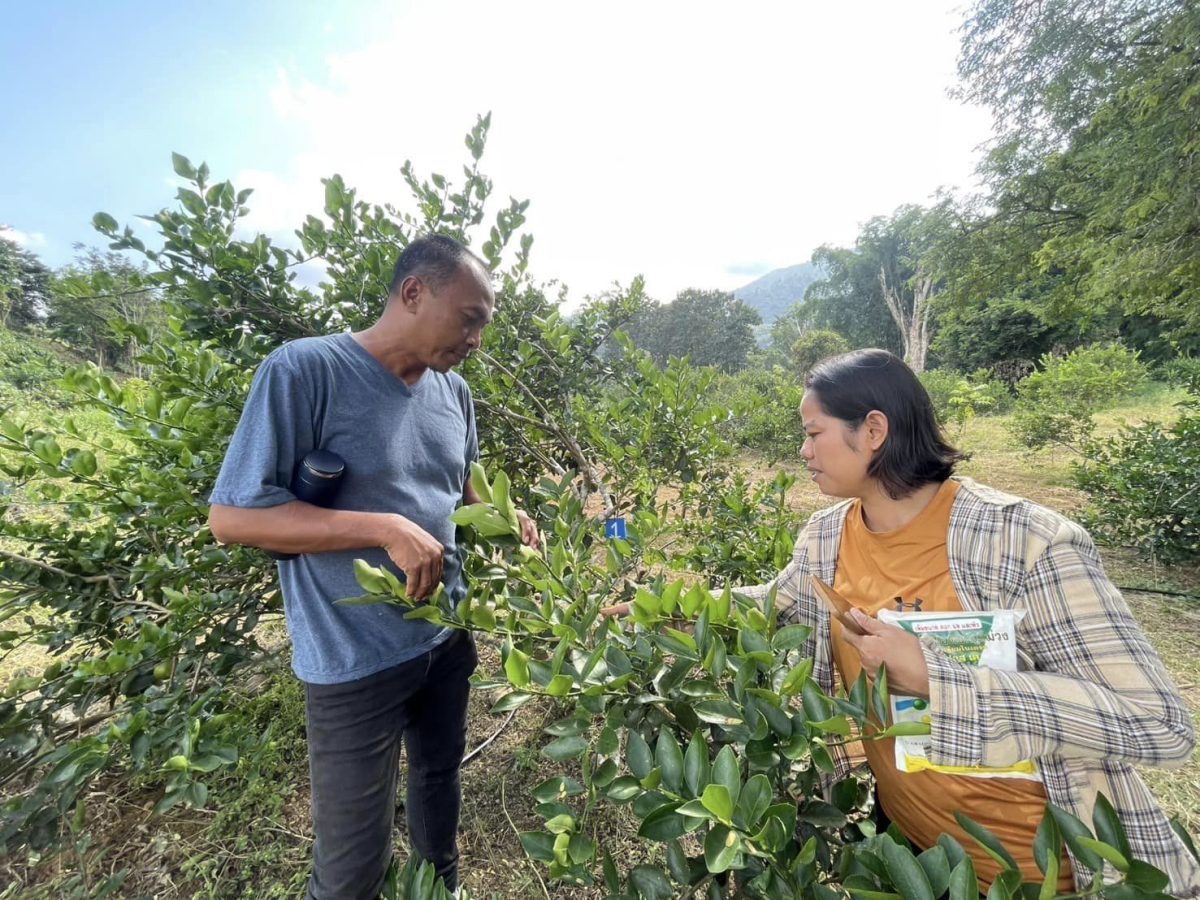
893 647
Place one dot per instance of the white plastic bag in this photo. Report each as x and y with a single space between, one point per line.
974 639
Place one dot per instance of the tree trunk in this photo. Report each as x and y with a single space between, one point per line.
913 323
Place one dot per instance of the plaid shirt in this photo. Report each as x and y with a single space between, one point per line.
1092 698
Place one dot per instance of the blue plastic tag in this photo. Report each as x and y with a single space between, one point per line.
615 527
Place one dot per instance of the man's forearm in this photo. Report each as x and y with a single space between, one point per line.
299 527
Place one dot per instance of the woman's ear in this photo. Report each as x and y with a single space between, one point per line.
875 429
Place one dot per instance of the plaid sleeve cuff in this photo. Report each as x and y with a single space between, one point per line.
954 706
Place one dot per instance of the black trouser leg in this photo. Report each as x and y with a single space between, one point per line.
435 741
354 734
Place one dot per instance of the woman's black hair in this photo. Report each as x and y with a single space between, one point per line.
916 451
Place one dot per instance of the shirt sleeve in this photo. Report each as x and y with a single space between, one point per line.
275 430
1098 691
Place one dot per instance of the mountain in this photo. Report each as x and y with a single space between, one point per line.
775 292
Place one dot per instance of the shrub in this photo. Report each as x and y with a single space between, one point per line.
27 363
957 398
765 411
1055 405
1145 485
1181 371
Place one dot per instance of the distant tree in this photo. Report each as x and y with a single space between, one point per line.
24 286
809 349
1092 183
91 298
1009 330
881 293
712 328
786 330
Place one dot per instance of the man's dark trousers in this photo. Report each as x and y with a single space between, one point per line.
354 735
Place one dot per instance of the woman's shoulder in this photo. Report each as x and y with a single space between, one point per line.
1018 523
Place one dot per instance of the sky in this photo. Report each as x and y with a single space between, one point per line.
698 144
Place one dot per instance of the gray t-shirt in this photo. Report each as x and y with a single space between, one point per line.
407 450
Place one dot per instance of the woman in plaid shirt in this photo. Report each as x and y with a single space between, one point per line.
1091 701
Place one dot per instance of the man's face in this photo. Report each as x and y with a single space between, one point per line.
453 316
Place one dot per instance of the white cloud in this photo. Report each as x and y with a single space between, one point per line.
675 140
28 240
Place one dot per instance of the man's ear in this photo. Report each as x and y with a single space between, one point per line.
875 429
409 293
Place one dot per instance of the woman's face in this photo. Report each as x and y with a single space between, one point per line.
835 454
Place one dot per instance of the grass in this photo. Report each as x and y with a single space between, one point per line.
254 839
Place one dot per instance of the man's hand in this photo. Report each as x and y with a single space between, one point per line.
529 532
893 647
417 554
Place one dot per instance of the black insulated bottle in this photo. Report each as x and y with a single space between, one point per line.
317 479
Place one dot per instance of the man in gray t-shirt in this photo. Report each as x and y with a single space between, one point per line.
386 402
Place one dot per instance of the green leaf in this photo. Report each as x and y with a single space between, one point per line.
581 849
1146 877
937 869
1047 844
695 809
954 850
612 880
516 667
103 222
183 166
637 754
964 884
717 801
1108 827
669 757
623 789
539 845
677 863
985 839
721 847
718 712
725 772
790 637
206 762
816 704
1182 834
608 742
664 824
754 800
696 770
794 681
905 872
369 578
1072 830
1112 854
423 613
556 789
511 701
561 824
565 748
480 483
650 883
879 700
